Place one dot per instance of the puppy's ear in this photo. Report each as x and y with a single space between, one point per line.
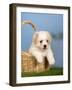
35 37
49 37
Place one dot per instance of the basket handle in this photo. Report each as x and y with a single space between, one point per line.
29 22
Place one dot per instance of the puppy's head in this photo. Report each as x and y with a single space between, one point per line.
42 40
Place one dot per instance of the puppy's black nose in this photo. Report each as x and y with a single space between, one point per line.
45 46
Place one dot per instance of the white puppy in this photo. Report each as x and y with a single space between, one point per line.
41 47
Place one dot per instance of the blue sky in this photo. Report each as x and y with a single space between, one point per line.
52 23
45 21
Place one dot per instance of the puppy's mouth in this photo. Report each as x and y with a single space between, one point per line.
44 48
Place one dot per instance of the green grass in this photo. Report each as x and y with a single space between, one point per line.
51 72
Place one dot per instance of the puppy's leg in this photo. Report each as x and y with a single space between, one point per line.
37 55
50 57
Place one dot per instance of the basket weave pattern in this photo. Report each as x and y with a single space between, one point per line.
30 64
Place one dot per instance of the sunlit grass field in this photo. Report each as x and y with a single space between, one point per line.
51 72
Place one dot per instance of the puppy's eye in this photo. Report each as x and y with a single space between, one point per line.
41 41
47 41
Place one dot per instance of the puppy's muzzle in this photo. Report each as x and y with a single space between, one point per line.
45 46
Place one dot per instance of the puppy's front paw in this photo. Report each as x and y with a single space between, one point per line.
52 62
39 59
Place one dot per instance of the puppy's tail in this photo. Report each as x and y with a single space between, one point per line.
29 22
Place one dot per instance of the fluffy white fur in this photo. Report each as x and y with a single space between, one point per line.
41 47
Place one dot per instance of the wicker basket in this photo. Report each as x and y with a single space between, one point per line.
30 64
